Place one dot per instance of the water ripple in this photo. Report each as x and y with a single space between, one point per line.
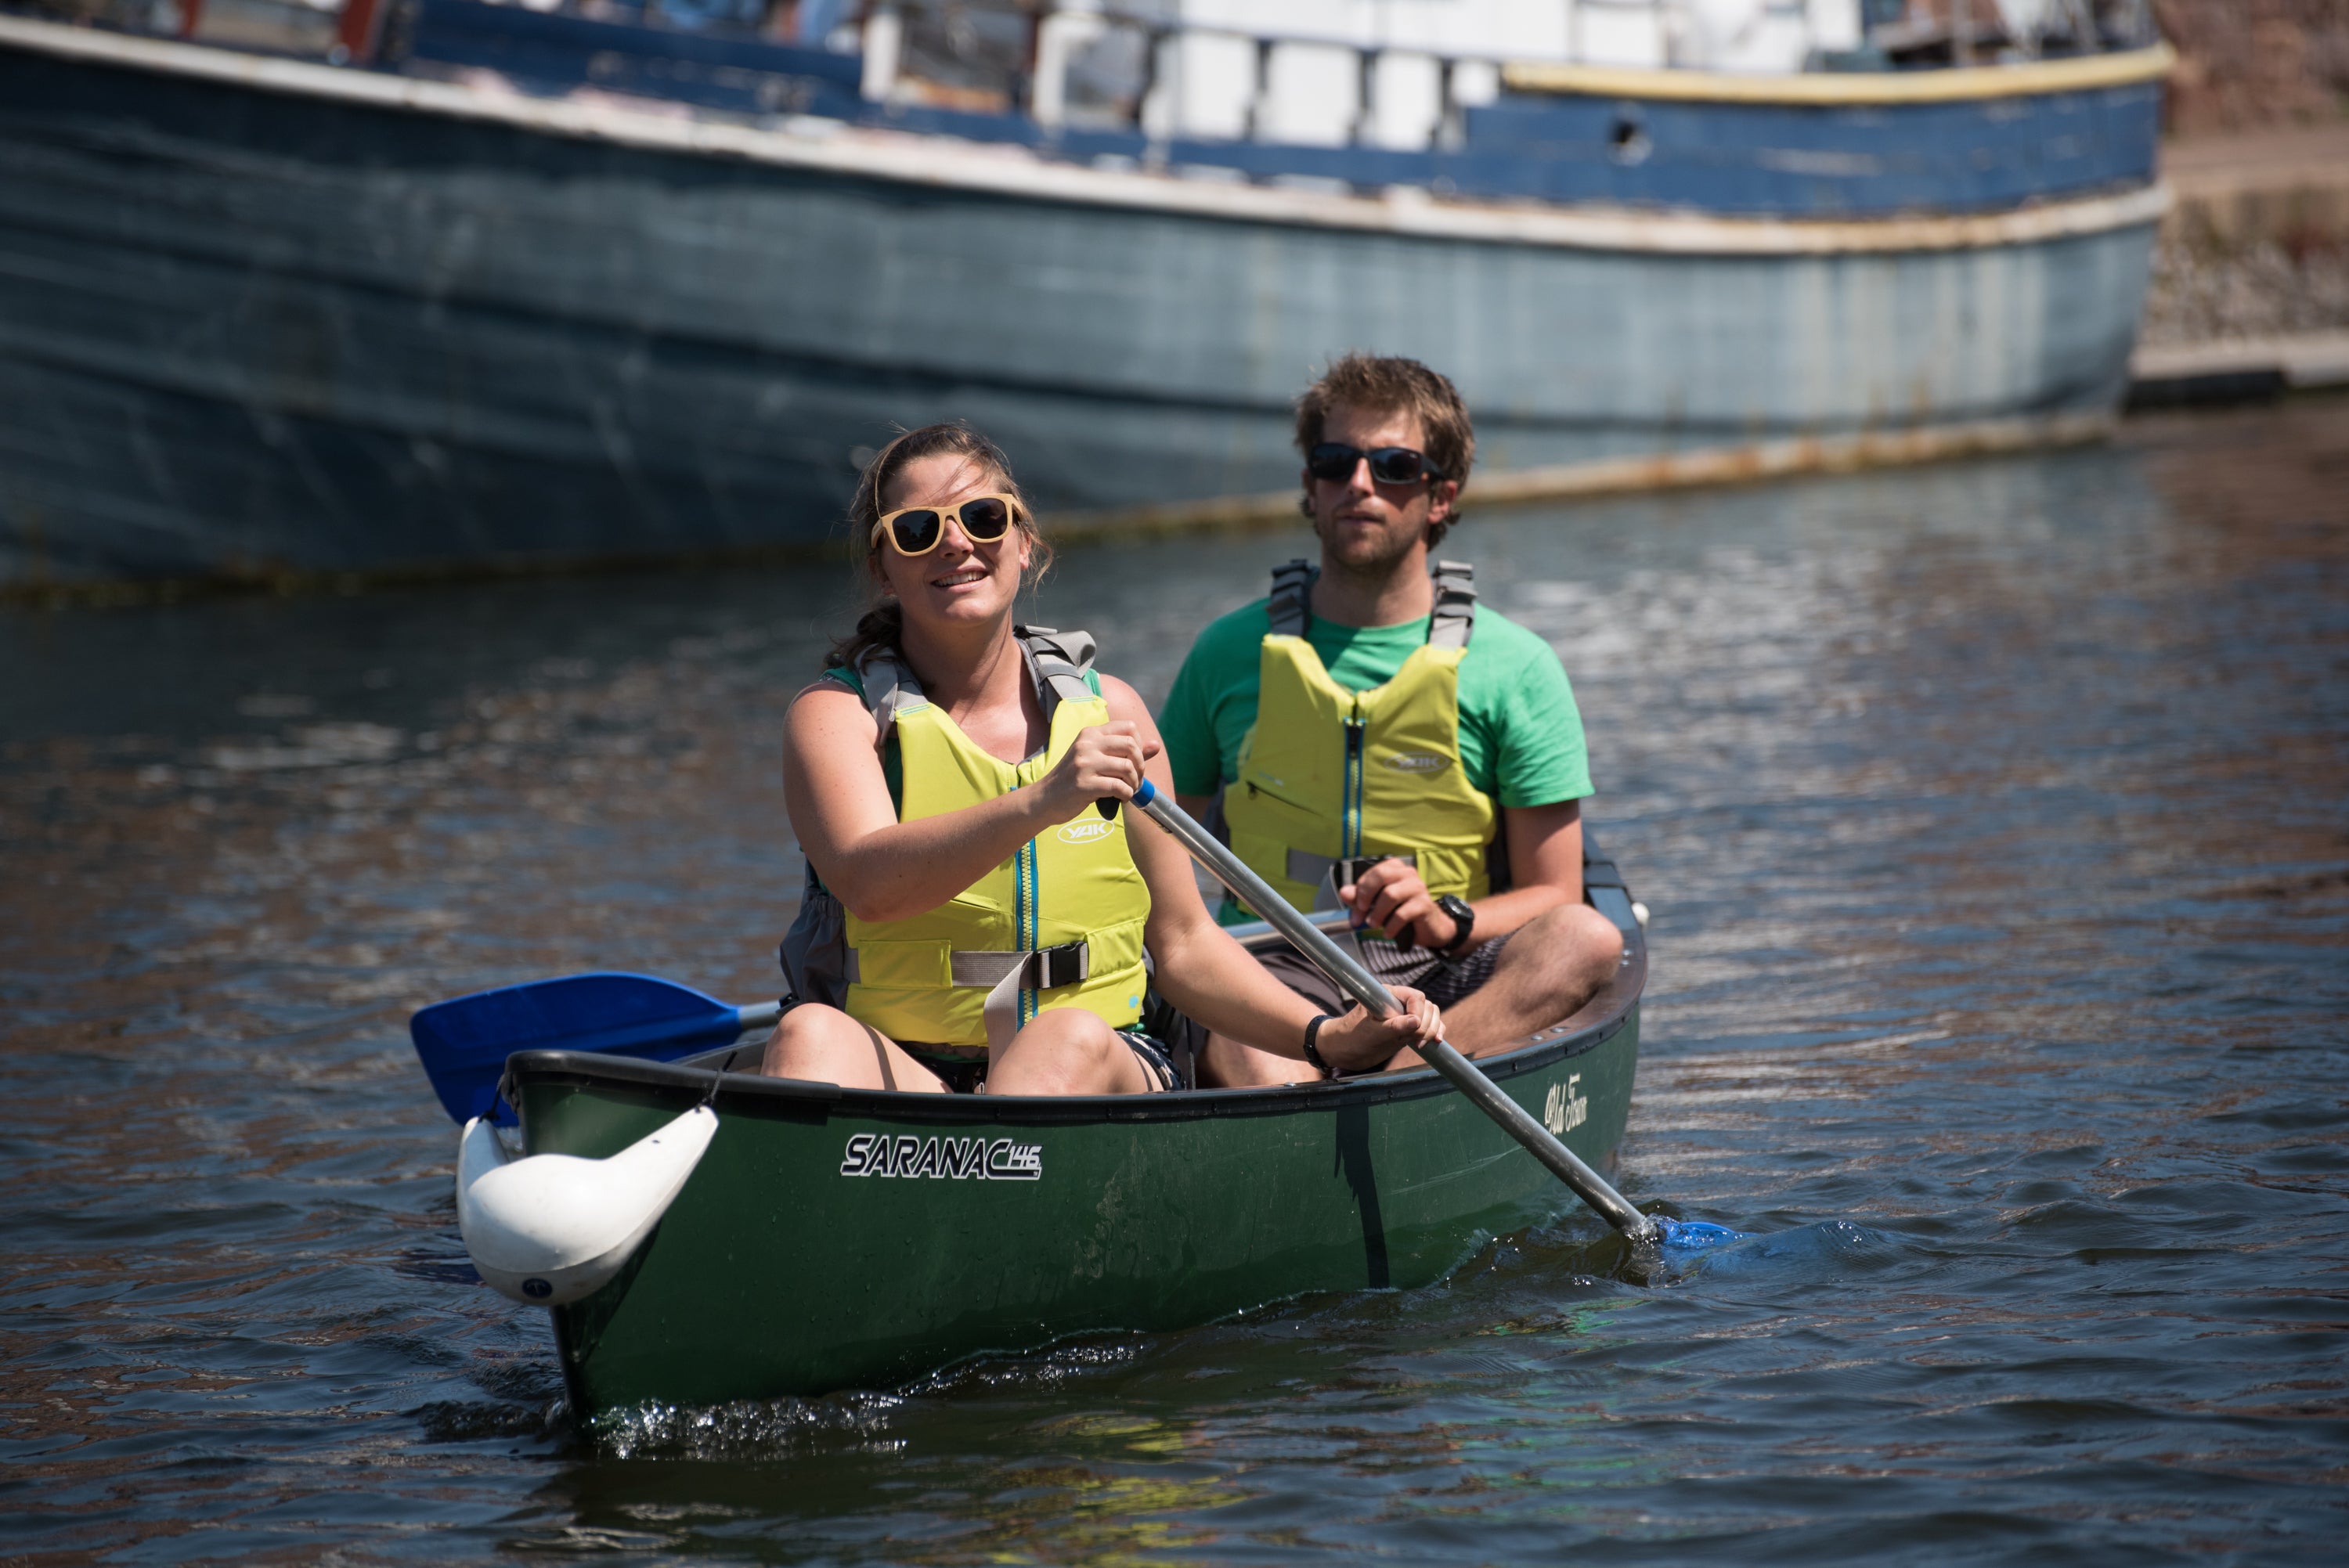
1992 819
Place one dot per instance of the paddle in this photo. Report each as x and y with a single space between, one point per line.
463 1043
1363 987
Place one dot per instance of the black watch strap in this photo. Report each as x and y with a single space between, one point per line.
1313 1051
1464 915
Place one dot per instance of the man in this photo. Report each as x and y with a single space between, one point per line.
1383 744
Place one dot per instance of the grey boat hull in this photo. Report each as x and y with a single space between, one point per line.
265 318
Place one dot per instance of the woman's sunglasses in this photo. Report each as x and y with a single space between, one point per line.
1389 465
917 529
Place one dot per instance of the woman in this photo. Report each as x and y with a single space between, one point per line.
974 919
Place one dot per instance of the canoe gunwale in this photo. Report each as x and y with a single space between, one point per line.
1600 1020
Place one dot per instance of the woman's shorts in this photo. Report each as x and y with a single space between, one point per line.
967 1073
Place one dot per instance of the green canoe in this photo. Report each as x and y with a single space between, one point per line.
839 1238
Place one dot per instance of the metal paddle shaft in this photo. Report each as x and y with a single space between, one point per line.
1363 987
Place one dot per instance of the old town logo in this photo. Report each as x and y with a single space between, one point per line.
1087 831
878 1154
1416 762
1565 1110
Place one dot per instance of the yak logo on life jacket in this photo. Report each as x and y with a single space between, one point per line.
1086 831
1416 762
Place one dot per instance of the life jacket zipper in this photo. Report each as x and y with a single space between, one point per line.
1024 900
1350 832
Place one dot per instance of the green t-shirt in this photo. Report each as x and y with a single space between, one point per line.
1520 734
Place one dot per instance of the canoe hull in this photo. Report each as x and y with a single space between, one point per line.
780 1272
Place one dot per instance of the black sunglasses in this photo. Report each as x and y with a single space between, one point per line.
1389 465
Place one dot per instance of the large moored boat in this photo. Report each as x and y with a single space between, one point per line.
439 284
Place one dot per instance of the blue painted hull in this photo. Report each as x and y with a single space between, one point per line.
257 330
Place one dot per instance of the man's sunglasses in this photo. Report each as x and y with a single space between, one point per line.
917 529
1389 465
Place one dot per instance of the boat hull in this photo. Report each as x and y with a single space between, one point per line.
279 319
780 1271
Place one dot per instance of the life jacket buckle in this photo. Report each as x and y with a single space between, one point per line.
1067 964
1343 870
1347 870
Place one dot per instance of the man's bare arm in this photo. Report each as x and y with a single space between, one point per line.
1544 864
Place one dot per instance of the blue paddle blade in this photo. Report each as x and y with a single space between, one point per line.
1695 1236
463 1043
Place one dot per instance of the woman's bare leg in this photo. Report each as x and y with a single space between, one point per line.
1068 1051
824 1045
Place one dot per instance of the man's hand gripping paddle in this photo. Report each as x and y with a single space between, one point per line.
1359 983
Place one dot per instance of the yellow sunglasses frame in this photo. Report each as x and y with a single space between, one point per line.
882 529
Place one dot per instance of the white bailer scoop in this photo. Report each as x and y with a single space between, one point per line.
552 1228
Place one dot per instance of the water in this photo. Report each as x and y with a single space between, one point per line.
1996 822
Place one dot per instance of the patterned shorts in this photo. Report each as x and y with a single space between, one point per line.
1442 983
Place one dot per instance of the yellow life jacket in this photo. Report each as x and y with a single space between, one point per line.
1328 776
1059 925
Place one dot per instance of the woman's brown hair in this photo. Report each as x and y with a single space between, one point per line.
881 626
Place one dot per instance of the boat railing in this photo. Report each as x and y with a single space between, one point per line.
1379 78
1216 79
1215 72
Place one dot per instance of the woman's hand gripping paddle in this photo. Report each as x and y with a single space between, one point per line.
464 1043
1363 986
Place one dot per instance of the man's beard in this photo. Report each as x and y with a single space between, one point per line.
1373 556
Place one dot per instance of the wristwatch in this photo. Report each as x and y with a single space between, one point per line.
1464 915
1312 1052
